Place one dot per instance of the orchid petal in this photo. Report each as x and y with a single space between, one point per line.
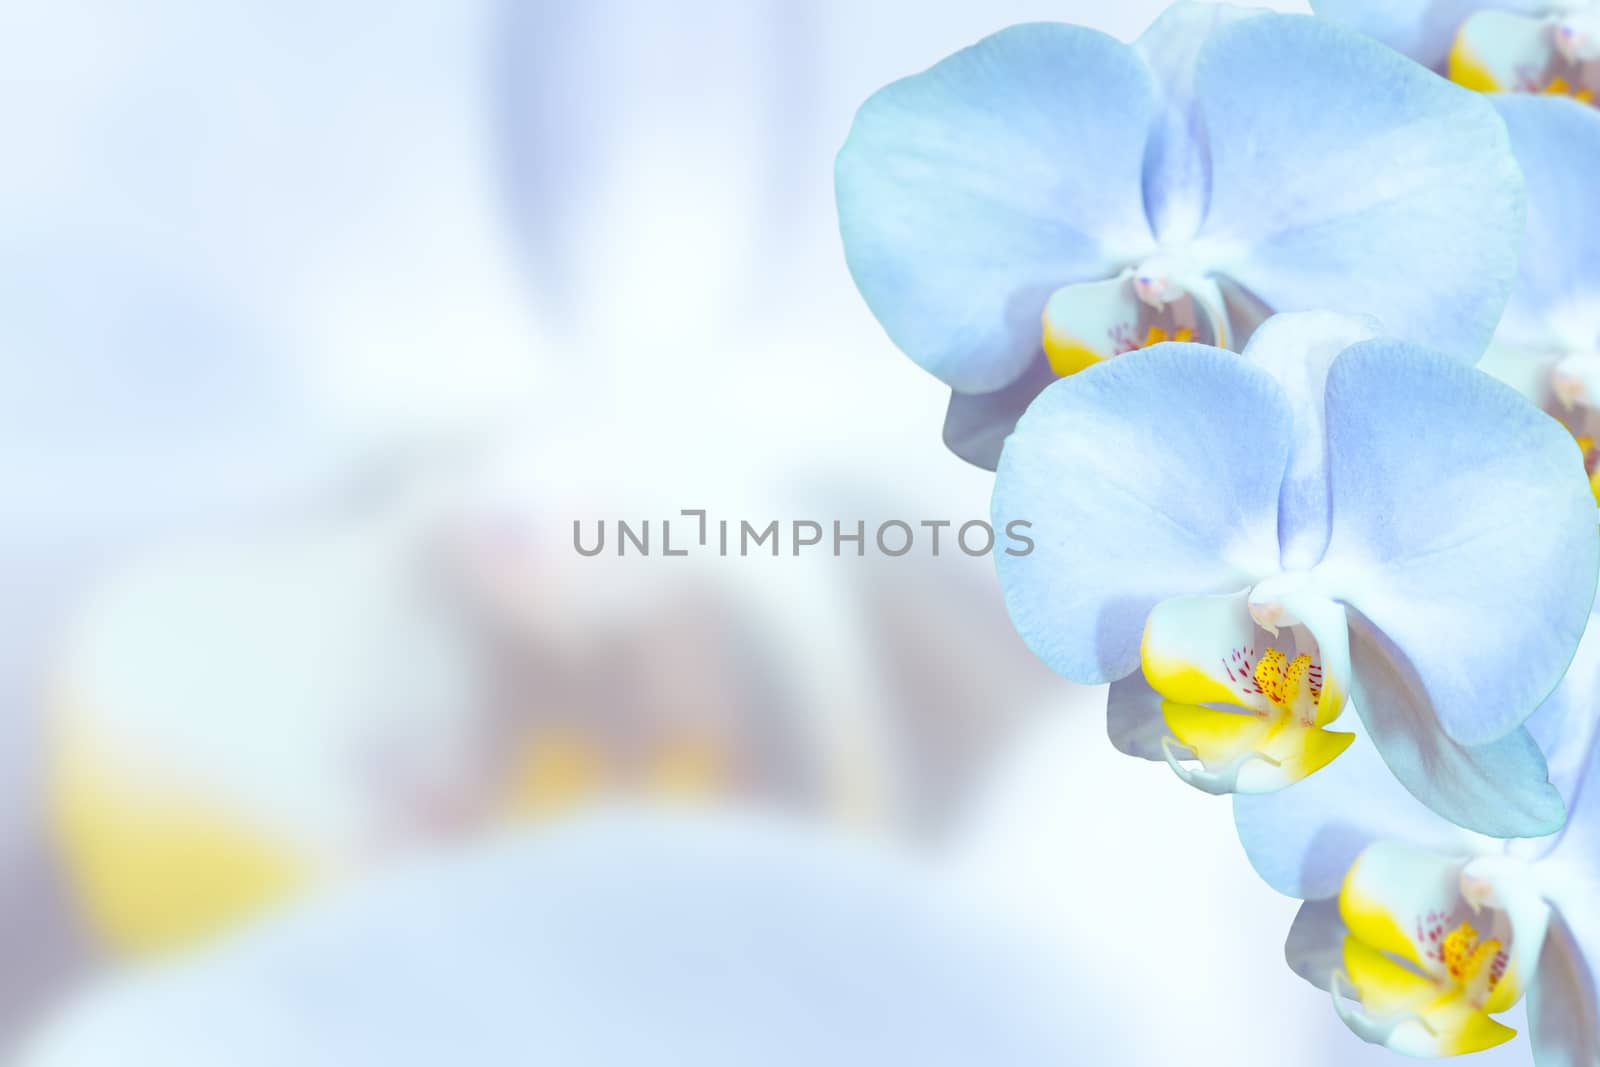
1153 475
1177 167
1476 559
976 425
1572 731
1567 727
1555 304
1303 840
1315 946
969 193
1133 718
1501 789
1370 187
1564 1000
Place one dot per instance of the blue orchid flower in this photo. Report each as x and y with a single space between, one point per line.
1494 46
1425 932
1262 535
1050 198
1548 343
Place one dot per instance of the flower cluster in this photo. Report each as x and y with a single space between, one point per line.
1289 349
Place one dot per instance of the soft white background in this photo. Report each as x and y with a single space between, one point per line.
250 246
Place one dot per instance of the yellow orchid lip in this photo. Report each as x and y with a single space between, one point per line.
1503 52
1260 750
1091 322
1432 950
1244 687
1246 752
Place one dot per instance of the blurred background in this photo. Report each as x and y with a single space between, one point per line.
322 324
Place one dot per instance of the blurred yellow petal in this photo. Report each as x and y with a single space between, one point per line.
555 773
689 769
152 866
1468 69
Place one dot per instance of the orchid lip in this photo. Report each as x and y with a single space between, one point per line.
1162 299
1218 782
1244 690
1436 946
1506 51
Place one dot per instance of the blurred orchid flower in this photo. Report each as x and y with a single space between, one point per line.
1423 931
1262 534
239 719
608 187
618 940
1548 343
1494 46
1050 198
